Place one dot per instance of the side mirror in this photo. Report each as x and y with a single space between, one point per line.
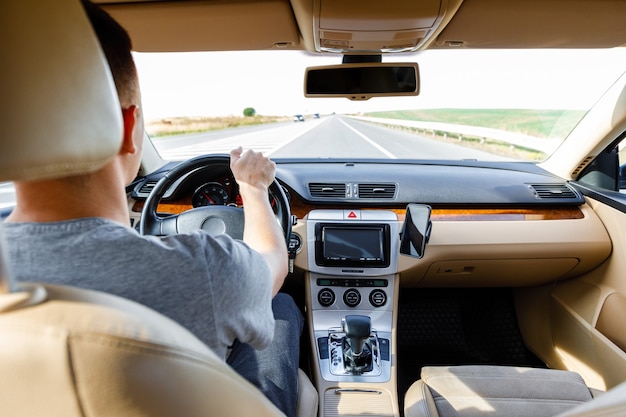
415 230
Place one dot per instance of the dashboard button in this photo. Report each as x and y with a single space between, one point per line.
352 297
326 297
378 298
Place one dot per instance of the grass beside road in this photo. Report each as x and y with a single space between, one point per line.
183 125
538 123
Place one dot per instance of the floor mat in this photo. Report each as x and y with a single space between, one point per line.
454 327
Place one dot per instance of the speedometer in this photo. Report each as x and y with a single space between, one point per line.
210 194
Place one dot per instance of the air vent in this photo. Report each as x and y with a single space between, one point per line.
146 188
582 166
327 190
377 190
552 191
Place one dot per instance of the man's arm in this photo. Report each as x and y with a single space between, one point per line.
254 173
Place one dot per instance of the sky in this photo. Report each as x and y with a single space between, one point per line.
224 83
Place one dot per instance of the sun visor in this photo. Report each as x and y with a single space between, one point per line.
535 24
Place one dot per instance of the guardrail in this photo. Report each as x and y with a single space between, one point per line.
546 145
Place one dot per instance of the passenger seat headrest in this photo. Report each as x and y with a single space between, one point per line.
60 114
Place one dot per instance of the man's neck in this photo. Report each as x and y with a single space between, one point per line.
94 195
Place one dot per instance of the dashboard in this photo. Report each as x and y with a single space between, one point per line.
493 224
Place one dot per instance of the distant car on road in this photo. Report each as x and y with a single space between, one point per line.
316 116
298 118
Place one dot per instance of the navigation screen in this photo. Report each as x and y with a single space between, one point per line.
340 245
362 244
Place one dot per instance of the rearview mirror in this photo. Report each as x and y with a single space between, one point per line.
415 230
362 81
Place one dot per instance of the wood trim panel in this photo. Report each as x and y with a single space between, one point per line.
505 214
301 209
173 207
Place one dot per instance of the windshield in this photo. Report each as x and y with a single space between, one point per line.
473 104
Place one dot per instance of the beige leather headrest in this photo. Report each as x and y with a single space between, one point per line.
59 112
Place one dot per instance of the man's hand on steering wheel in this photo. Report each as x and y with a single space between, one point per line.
252 168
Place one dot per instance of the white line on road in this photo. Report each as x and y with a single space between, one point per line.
371 142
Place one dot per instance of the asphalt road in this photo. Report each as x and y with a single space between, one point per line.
343 137
328 137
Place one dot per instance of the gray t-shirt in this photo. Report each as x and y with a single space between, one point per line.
217 287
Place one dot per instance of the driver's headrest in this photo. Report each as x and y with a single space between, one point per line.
59 114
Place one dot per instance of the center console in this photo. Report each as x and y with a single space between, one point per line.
352 263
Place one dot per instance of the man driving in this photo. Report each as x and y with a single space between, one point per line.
76 231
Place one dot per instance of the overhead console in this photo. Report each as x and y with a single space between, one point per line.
348 26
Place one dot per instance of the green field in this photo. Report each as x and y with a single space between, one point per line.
538 123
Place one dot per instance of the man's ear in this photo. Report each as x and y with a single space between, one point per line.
129 114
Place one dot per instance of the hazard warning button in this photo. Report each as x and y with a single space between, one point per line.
352 214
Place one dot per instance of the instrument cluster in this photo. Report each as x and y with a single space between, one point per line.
210 194
223 192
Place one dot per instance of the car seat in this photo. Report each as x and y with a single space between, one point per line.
508 391
68 351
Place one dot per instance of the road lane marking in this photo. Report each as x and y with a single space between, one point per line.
371 142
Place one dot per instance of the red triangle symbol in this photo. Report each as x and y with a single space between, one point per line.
352 215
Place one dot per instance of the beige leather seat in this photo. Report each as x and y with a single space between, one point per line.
71 352
68 352
503 391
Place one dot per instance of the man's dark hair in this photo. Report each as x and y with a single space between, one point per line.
117 47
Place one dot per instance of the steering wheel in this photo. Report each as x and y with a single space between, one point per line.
213 219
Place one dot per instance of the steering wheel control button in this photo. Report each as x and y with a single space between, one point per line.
326 297
352 297
378 298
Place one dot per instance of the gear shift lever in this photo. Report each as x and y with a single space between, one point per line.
357 330
354 349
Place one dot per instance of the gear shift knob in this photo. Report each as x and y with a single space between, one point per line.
357 329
